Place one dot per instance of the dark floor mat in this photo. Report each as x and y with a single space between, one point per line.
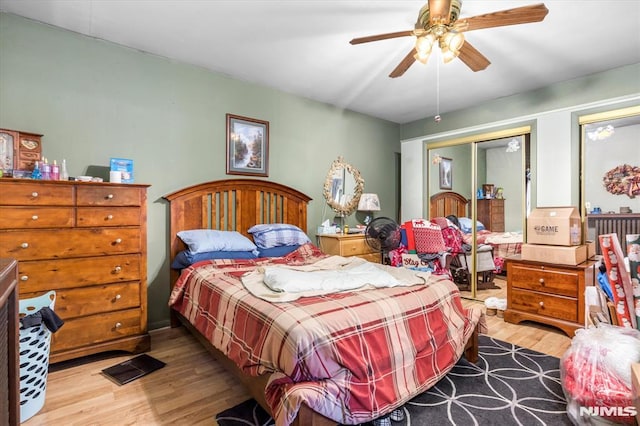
128 371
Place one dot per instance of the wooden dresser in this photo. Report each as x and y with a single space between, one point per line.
348 245
547 293
9 344
88 242
491 214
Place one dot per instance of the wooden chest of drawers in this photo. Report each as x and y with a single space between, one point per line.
348 245
547 293
9 344
491 214
88 242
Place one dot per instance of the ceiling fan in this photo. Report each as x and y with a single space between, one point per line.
438 23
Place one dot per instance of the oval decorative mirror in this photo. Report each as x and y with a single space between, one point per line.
343 187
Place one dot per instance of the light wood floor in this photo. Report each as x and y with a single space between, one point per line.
192 388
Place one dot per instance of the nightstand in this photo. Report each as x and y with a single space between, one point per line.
547 293
348 245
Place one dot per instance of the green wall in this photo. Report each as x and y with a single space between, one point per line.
93 100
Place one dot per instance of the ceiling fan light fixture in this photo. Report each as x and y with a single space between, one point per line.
453 40
424 45
448 55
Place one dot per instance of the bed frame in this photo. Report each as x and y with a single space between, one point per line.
237 205
447 203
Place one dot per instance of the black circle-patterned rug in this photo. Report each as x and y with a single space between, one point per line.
509 385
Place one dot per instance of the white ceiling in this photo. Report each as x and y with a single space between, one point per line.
302 47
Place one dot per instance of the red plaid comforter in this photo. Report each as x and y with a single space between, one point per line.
350 356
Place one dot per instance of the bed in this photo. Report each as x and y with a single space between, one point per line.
504 244
209 299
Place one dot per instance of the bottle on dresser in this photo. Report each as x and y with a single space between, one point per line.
35 174
55 171
64 175
46 169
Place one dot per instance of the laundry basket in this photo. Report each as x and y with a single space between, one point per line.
34 357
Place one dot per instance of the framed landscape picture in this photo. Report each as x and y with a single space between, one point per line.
247 146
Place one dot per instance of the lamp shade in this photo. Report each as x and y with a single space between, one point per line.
369 203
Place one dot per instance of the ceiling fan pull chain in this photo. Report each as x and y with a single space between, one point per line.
437 118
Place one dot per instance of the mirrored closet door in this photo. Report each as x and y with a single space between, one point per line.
489 175
610 173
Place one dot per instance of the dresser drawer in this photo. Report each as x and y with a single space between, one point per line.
105 195
83 301
354 247
97 328
108 216
36 194
36 217
557 307
42 275
497 210
564 283
64 243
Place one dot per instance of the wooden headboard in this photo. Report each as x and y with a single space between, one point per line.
233 205
447 203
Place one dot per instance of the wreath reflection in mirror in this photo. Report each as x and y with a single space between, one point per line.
338 196
623 180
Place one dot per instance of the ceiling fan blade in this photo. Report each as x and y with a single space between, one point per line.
378 37
404 65
472 57
519 15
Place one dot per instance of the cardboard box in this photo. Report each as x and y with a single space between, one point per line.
558 226
562 255
125 167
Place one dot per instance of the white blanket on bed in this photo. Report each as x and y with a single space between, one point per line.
284 283
504 238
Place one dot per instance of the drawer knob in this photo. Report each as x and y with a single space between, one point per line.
117 269
118 240
109 217
34 194
110 196
541 281
118 297
118 324
24 278
541 304
24 245
34 217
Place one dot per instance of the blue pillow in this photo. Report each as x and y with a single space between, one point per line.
277 234
205 240
186 258
465 225
276 251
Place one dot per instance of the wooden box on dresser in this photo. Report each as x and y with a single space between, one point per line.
348 245
88 242
491 214
548 293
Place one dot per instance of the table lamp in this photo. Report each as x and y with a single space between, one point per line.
369 203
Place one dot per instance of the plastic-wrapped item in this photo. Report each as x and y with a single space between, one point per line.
596 375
